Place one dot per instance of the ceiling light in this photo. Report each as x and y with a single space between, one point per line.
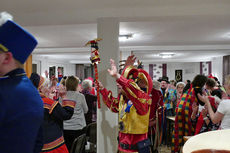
125 37
227 35
166 54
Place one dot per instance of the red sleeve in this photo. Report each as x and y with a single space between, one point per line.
111 102
155 100
140 99
57 111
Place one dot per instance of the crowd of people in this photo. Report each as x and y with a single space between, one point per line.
44 115
69 107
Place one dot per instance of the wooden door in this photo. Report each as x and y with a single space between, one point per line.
28 66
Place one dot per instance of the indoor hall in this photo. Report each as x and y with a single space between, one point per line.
177 39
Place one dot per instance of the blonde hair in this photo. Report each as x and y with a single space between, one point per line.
156 84
180 83
19 64
43 86
72 83
63 80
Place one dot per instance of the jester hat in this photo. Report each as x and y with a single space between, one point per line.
15 39
131 72
143 75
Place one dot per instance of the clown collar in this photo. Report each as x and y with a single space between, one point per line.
14 73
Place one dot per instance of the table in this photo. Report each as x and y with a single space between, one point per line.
186 138
219 139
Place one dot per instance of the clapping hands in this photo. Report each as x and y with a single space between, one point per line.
203 98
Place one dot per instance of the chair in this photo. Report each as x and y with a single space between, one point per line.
91 132
79 144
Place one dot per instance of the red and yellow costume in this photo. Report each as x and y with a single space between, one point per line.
134 118
156 112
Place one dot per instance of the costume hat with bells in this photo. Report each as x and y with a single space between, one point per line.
131 72
15 39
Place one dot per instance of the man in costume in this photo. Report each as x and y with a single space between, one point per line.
21 110
168 95
133 106
183 124
168 100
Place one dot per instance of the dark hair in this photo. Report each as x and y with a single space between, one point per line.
197 83
187 86
120 71
211 82
173 82
35 79
216 79
218 84
217 92
199 80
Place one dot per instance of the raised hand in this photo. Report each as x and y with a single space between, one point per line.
62 91
113 70
194 108
130 60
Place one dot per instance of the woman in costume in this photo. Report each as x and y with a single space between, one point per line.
183 123
54 115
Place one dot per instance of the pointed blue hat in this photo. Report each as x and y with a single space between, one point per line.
18 41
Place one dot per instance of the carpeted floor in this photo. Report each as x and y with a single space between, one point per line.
164 149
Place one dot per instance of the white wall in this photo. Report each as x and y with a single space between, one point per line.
189 70
217 68
44 64
146 67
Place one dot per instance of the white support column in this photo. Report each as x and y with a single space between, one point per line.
107 122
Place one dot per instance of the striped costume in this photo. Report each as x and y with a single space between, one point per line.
183 124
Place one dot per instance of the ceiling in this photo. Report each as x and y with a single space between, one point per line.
194 30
